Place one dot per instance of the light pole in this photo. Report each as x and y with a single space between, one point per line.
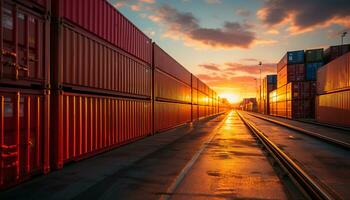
342 37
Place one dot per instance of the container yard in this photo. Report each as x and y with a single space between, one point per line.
115 99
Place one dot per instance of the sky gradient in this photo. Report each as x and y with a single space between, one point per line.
222 41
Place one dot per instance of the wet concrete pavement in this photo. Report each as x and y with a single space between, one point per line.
231 167
326 163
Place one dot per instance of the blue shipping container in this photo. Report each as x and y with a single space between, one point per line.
295 57
272 79
311 70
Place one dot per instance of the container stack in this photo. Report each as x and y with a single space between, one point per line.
296 87
249 104
269 84
24 90
333 52
101 80
333 91
172 91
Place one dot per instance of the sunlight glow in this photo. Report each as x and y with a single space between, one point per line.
231 97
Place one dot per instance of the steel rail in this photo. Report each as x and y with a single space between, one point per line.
330 140
306 185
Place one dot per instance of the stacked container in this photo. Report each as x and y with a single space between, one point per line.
296 87
249 104
333 89
24 90
101 80
172 91
269 84
334 52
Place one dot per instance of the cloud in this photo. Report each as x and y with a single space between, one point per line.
185 26
213 1
210 66
243 12
148 1
252 70
305 15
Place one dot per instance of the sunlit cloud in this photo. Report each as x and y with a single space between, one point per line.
243 12
185 26
213 1
304 16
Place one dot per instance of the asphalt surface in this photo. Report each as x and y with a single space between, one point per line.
326 163
221 159
231 167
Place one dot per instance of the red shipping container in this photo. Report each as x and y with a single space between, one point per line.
194 96
168 88
42 5
335 76
24 134
334 108
24 43
194 112
101 19
290 73
83 62
168 115
194 81
169 65
84 125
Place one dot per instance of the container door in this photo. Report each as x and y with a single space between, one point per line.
21 42
21 136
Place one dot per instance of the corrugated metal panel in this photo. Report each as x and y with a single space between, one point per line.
88 124
87 63
291 57
311 70
314 55
168 115
24 43
24 129
334 76
194 112
103 20
289 73
334 108
169 88
194 82
194 96
166 63
334 52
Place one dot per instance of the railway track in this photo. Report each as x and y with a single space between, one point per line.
304 182
330 140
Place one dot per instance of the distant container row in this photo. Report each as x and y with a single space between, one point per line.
310 84
78 78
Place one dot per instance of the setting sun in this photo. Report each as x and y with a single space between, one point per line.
231 97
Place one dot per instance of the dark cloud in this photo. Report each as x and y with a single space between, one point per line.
210 66
231 35
243 12
305 13
251 69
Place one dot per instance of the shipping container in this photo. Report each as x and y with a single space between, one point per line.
167 88
101 19
311 70
314 55
194 82
42 6
273 102
334 52
334 108
335 76
168 115
269 84
169 65
194 112
83 62
290 73
24 43
24 134
84 125
194 96
291 57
